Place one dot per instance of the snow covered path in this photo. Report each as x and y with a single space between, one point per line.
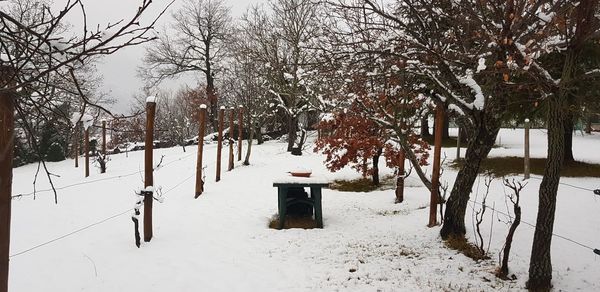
221 242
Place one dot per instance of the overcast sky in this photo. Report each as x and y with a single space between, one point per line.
119 69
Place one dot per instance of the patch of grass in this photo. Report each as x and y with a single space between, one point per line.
503 166
304 222
461 244
363 184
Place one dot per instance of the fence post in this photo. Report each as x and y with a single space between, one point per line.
526 168
86 150
103 137
148 166
7 136
199 181
435 179
240 130
220 142
400 179
458 144
231 140
76 142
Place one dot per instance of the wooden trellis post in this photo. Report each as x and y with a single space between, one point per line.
103 137
435 179
231 140
148 166
240 130
86 150
526 168
7 122
201 129
76 142
400 179
220 142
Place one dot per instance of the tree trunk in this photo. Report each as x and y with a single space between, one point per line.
568 137
292 128
478 148
400 178
588 126
446 128
250 137
259 137
425 126
376 157
7 136
540 265
211 92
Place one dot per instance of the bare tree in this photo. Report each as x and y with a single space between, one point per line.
194 43
35 51
283 39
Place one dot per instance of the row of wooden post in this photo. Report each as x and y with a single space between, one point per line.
231 141
86 146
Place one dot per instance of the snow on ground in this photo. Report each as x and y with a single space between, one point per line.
221 242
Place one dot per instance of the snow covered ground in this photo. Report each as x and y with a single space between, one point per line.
221 242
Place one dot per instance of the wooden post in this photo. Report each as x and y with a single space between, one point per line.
231 140
148 166
400 179
240 130
526 168
103 137
220 142
86 150
76 142
7 122
458 144
435 180
201 129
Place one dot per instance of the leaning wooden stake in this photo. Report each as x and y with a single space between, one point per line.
240 130
231 140
435 180
526 168
201 129
400 179
148 166
7 120
220 142
86 150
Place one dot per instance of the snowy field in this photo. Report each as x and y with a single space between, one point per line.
221 242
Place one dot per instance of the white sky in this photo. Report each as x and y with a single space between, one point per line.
119 69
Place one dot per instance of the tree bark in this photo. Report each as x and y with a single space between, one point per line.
7 137
400 178
292 134
425 126
375 175
478 148
540 265
568 137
